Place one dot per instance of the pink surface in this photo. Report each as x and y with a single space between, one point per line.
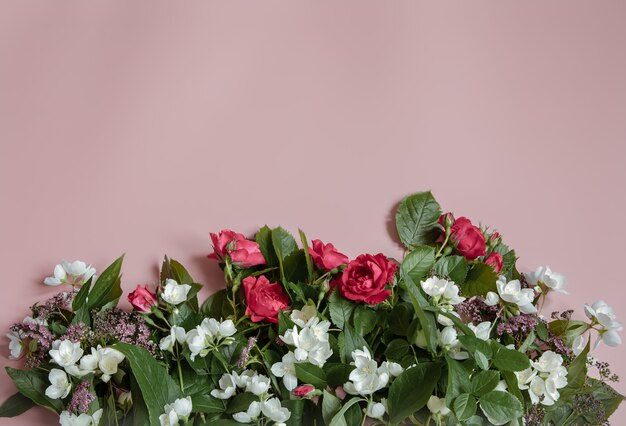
138 128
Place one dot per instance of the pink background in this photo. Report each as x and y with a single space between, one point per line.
138 128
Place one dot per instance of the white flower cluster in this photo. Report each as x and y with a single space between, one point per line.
174 293
603 316
257 384
77 272
368 377
544 378
545 275
207 336
178 410
310 342
512 292
69 419
444 294
67 354
448 340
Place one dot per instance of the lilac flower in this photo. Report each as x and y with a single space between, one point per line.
35 333
128 327
81 399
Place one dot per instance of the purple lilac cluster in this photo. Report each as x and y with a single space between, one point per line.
127 327
518 326
475 310
81 398
35 333
61 302
76 333
245 353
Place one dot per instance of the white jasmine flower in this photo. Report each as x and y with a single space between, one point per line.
393 369
249 416
448 340
108 361
209 334
311 343
169 418
182 407
60 386
442 291
375 410
16 344
258 385
287 370
273 410
492 299
438 406
601 313
544 378
366 378
65 353
59 276
227 387
302 317
482 330
68 419
545 275
174 293
513 292
78 269
177 334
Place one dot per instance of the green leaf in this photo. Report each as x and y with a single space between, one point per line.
512 385
484 382
264 240
427 320
338 419
464 406
305 247
349 341
453 267
330 406
179 273
458 380
568 330
577 373
207 404
295 267
81 296
157 386
481 360
405 398
418 263
32 384
311 374
509 359
296 408
416 219
365 319
481 279
340 309
107 287
241 402
283 242
501 407
215 305
337 373
473 344
398 319
397 349
15 405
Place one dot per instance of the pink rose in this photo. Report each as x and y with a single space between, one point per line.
366 277
495 261
469 239
326 256
142 299
264 299
303 390
242 252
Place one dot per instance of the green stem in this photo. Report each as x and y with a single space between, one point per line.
180 370
443 245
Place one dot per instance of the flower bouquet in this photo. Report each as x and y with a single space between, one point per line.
302 335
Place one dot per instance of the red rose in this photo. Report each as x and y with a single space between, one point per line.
494 260
264 299
303 390
469 239
142 299
365 279
326 256
242 252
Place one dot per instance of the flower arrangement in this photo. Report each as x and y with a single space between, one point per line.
451 334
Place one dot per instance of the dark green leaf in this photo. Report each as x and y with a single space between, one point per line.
458 380
473 344
311 374
405 398
264 240
509 359
15 405
241 402
418 263
283 242
32 384
107 287
179 273
364 319
214 305
337 374
157 387
207 404
350 341
464 406
481 279
339 419
416 219
484 382
340 309
305 247
501 407
81 296
330 406
397 349
453 267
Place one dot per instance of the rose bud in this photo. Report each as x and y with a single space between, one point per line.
326 256
446 220
303 391
242 252
142 299
494 260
